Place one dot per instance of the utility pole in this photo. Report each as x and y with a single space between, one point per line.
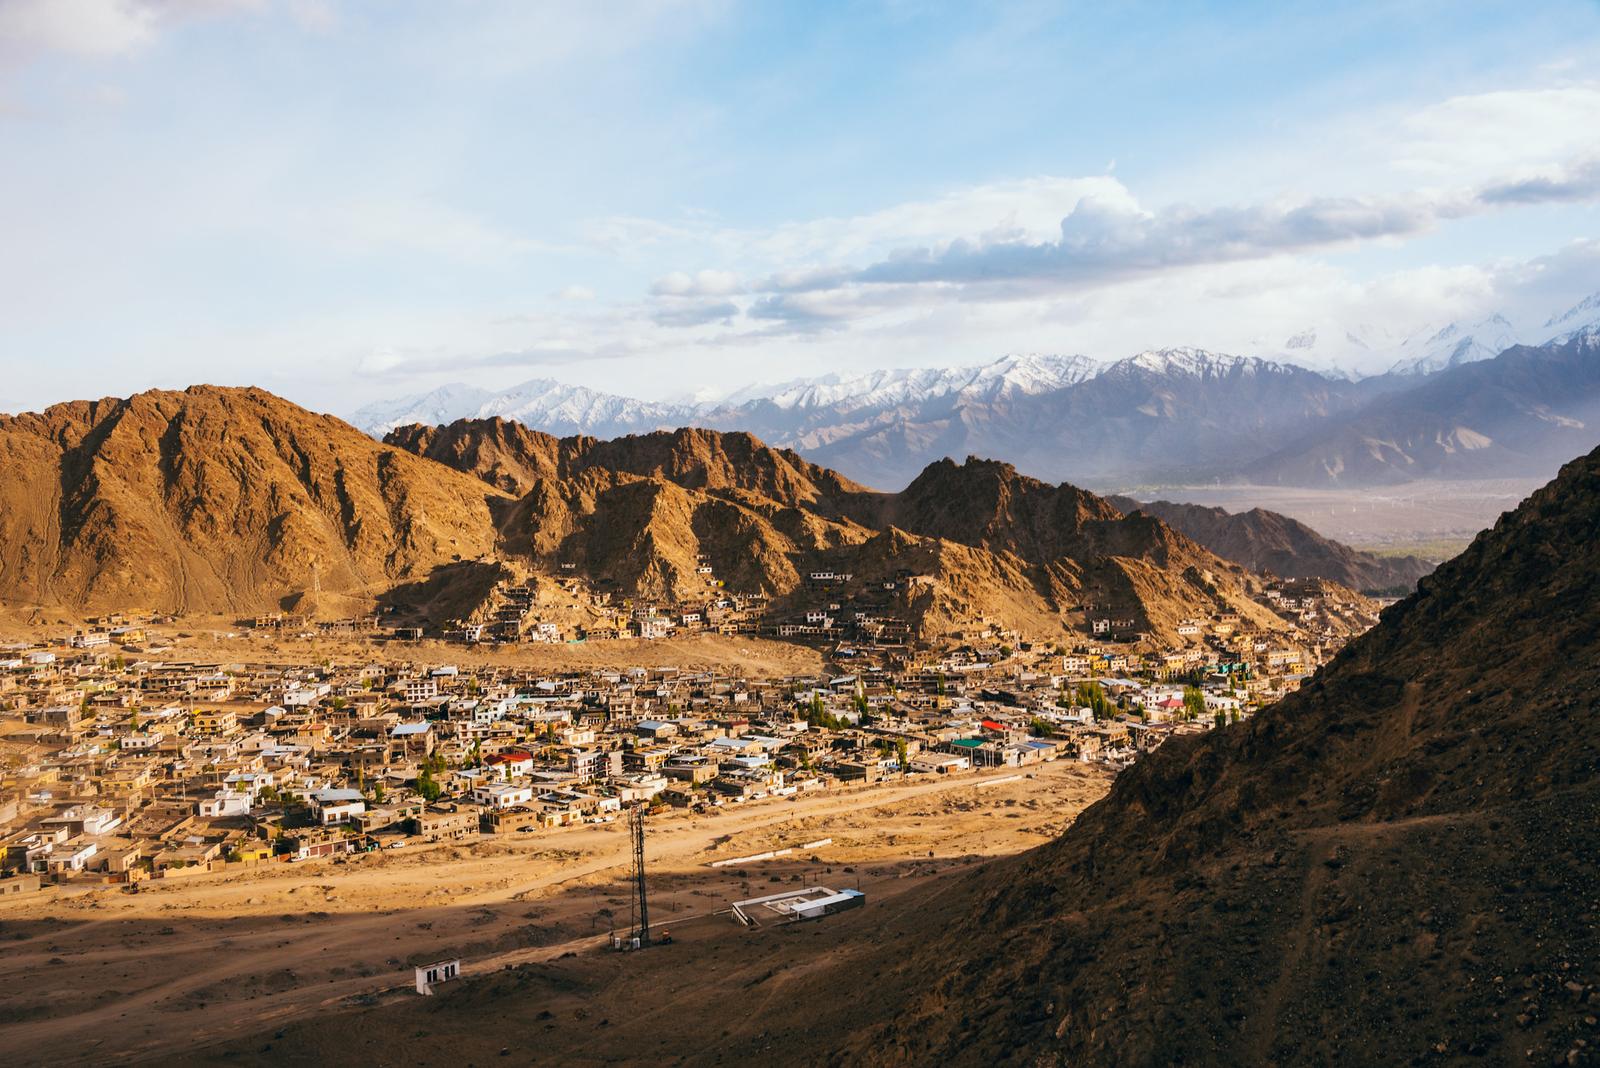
636 827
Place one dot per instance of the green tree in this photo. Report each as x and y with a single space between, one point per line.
1092 695
1041 728
902 754
427 788
1194 702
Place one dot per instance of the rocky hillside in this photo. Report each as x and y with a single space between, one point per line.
1396 865
509 455
232 500
1400 864
219 500
1274 543
642 515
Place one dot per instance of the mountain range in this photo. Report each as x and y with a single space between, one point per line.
220 500
1395 865
1448 407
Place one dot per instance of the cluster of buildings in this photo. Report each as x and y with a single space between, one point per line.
120 760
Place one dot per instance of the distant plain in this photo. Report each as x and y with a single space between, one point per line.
1433 519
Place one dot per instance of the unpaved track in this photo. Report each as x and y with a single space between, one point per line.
100 975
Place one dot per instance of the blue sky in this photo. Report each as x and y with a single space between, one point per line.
342 202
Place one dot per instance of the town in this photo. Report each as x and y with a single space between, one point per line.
122 759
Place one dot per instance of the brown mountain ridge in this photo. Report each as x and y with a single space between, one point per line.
220 500
641 513
1273 543
1399 864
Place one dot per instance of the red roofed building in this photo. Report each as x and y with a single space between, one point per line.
509 764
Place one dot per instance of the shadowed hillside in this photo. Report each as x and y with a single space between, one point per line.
1272 542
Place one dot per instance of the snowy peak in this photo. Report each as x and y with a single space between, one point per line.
1454 344
1582 316
563 408
1332 349
1023 373
541 402
443 405
1197 363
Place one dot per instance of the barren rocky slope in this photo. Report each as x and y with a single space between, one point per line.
1272 542
212 500
1396 865
643 514
233 500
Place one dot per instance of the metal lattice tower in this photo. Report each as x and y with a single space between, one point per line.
640 901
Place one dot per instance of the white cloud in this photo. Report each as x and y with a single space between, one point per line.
97 27
1473 138
80 27
706 283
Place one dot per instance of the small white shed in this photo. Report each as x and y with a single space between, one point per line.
430 975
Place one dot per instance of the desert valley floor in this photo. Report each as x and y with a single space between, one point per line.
199 969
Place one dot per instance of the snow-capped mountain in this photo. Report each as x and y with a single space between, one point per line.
1197 363
543 403
1584 315
1335 350
443 405
1170 413
560 408
1454 344
1022 373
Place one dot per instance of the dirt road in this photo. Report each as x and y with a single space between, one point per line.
102 975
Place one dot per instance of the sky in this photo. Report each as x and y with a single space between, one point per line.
345 202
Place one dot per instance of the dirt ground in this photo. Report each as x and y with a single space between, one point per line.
226 640
201 968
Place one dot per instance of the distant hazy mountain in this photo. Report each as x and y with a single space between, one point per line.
1516 415
1584 315
1333 349
443 405
1026 373
1168 415
1161 416
542 403
1455 344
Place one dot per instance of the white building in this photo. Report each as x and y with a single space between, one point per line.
430 975
333 805
502 795
225 803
